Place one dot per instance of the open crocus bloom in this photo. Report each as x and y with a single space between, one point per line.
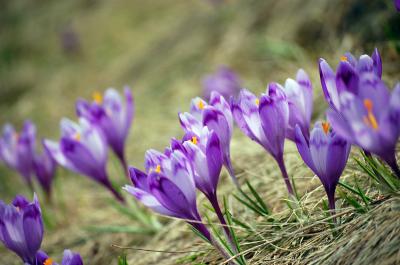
370 119
217 116
45 169
109 113
82 149
325 154
69 258
224 81
300 100
17 149
168 186
347 75
21 227
264 120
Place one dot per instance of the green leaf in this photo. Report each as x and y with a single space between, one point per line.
122 260
258 198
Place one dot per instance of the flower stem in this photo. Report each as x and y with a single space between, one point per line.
331 204
393 165
214 202
285 175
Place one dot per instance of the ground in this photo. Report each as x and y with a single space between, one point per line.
162 49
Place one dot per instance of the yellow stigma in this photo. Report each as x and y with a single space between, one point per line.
325 127
48 262
200 104
194 139
343 58
257 101
97 97
370 119
158 169
77 136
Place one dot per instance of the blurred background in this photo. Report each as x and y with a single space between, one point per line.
53 52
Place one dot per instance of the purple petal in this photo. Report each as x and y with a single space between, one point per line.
338 153
170 196
304 149
346 78
340 125
376 57
216 121
319 143
328 83
33 228
365 64
274 115
71 258
139 178
56 153
214 159
148 200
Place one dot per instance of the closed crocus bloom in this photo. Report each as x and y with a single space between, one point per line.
45 169
21 227
370 119
224 81
83 150
265 120
300 100
168 187
217 116
112 115
347 75
17 149
325 154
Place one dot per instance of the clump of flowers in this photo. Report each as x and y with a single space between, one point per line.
362 110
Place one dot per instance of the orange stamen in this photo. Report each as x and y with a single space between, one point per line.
194 140
77 136
201 104
325 127
370 118
48 262
97 97
343 58
158 169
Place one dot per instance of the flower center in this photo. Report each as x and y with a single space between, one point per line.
77 136
97 97
370 119
325 127
200 104
48 262
158 169
194 140
343 58
257 101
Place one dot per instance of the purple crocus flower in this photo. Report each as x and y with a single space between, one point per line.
265 120
370 119
69 258
325 154
168 186
217 117
21 227
205 154
109 113
224 81
45 169
82 149
397 4
300 99
17 149
347 75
